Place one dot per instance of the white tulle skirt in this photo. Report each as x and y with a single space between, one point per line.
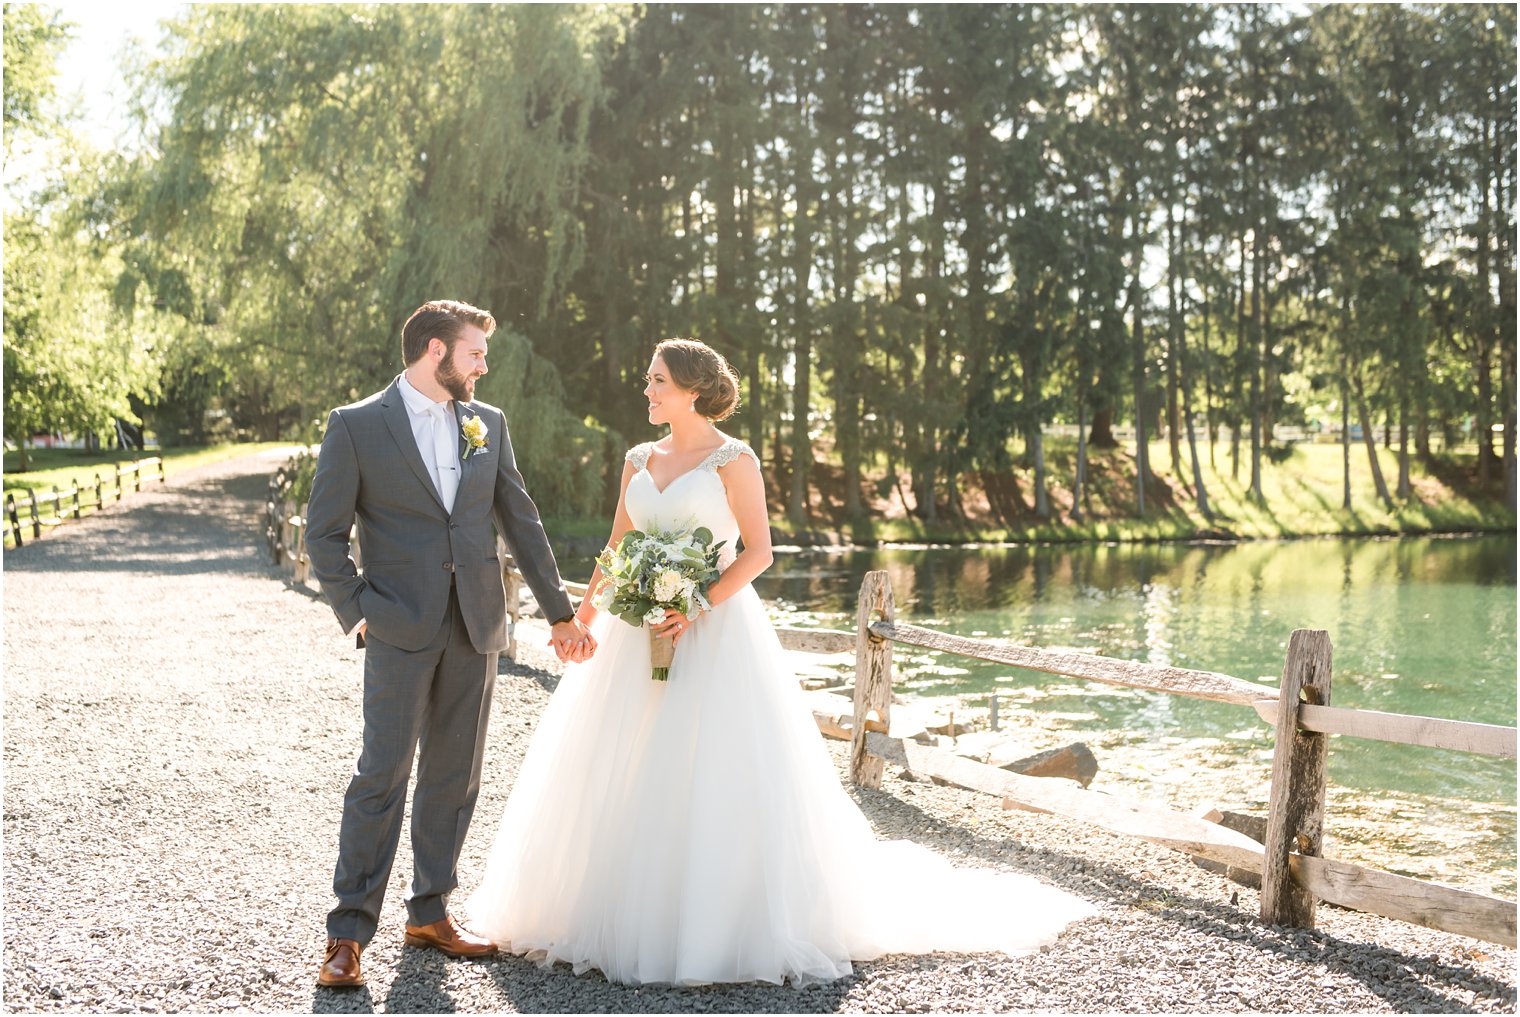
695 831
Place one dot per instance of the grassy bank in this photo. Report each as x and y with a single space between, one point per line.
1301 496
61 467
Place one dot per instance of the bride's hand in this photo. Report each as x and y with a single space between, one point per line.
675 626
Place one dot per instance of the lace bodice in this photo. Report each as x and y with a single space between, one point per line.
695 498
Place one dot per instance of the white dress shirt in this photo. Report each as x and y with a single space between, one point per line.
438 439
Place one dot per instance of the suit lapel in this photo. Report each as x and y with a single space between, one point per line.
399 420
463 412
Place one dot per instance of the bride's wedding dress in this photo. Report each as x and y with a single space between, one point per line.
695 830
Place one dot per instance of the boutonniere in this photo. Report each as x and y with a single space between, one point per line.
477 438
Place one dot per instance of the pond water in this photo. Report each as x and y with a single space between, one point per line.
1419 625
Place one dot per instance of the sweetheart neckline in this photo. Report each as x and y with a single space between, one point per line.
674 480
685 473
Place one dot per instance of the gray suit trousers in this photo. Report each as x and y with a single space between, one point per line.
434 702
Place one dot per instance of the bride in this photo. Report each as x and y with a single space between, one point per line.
694 830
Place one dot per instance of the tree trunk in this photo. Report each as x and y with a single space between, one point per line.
1404 488
1079 485
1210 419
1235 451
1041 497
1258 396
1422 426
1345 440
1103 428
1199 491
1174 340
1482 335
1137 350
1367 439
802 390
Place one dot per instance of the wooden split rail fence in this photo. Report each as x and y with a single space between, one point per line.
1294 874
52 508
285 535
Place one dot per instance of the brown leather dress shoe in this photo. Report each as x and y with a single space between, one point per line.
340 968
448 936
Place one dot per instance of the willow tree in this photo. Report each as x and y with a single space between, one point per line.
73 362
323 170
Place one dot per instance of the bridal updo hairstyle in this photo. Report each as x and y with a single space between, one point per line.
440 319
697 367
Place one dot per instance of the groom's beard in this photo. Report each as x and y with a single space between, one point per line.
454 382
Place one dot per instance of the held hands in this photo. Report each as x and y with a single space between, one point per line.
572 641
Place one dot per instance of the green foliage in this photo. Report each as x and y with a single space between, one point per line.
327 169
33 36
919 232
71 363
302 471
562 458
660 569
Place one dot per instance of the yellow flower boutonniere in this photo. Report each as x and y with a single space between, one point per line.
477 438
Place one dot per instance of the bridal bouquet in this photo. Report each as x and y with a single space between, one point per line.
650 573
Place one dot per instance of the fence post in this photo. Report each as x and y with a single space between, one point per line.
287 529
36 515
100 491
512 584
298 546
15 518
118 481
78 507
1296 807
137 474
514 609
873 676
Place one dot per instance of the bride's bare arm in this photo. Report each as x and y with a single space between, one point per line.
746 498
621 524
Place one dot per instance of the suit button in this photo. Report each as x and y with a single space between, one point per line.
448 566
453 526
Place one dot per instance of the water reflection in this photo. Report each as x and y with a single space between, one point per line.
1424 626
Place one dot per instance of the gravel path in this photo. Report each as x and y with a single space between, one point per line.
180 725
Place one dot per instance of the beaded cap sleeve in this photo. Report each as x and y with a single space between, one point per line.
729 451
639 455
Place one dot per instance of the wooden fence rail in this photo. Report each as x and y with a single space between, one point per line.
53 507
1294 876
285 536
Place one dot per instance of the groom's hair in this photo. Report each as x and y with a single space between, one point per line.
441 319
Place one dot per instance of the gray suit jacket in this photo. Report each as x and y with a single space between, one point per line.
369 468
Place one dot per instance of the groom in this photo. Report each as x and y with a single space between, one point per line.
424 470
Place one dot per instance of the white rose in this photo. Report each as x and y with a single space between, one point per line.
654 616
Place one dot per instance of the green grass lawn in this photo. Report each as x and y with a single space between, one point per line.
62 466
1301 496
